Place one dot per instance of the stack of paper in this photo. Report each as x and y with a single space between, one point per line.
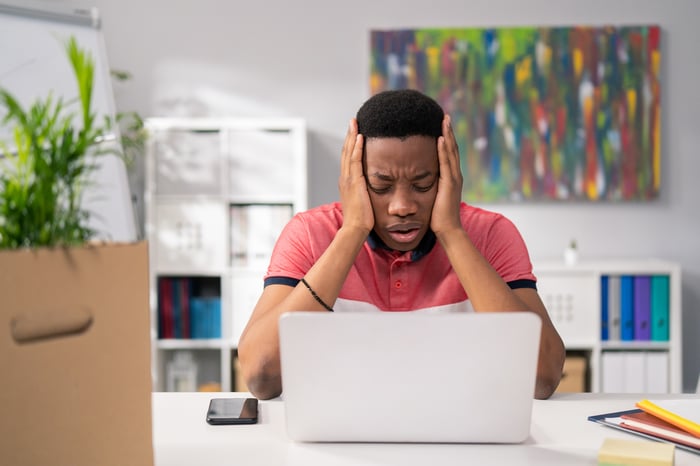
684 414
670 421
648 424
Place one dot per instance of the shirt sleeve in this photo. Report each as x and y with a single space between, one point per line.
506 251
292 255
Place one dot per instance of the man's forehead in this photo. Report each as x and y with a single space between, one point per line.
390 154
391 175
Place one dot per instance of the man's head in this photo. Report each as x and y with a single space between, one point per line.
400 114
401 128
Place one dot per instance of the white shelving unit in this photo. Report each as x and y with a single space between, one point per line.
573 297
218 192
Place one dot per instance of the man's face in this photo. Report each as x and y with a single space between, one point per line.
402 178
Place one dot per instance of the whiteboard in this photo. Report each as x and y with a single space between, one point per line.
33 62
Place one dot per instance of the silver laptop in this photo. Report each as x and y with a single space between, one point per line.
409 376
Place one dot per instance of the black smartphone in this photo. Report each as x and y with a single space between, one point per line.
224 411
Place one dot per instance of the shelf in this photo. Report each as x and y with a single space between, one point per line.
625 266
595 304
635 345
194 197
574 345
219 198
181 343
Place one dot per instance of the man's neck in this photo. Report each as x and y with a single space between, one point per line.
425 245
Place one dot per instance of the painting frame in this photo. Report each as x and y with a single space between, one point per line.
565 113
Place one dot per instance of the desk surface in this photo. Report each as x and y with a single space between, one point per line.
560 435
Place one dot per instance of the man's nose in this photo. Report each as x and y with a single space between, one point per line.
402 203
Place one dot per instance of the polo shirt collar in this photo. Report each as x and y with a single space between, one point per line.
424 247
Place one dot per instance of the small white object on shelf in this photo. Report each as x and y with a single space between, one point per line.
182 373
571 253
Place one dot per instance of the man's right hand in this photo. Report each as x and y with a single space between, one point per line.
357 208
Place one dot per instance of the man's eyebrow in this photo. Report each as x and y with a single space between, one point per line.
383 177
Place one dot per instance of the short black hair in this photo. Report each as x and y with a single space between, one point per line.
400 114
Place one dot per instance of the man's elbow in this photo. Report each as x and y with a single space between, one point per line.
262 378
548 380
264 386
545 388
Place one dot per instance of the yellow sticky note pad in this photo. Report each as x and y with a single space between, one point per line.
621 452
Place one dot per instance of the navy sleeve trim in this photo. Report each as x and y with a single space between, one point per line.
293 282
281 281
515 284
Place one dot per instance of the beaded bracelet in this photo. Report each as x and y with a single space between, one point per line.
316 297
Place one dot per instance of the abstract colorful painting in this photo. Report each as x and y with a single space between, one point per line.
540 113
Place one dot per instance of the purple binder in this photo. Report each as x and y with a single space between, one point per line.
642 307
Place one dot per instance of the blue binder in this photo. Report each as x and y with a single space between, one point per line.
627 308
604 308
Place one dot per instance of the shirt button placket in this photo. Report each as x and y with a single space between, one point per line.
398 279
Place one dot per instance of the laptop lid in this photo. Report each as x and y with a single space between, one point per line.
409 377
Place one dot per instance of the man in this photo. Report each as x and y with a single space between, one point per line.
399 240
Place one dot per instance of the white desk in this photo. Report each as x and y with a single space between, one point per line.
560 435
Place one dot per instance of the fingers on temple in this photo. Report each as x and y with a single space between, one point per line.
447 145
449 135
349 144
356 158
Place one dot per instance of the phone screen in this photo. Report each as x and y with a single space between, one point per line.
232 411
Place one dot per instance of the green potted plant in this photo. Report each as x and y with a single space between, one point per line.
75 313
46 170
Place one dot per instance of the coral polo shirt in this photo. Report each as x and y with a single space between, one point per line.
382 279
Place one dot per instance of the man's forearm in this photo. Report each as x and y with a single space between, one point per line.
550 362
486 289
327 276
259 347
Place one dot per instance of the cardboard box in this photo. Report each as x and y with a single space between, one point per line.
75 356
573 379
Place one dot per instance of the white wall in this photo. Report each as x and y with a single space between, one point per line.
310 59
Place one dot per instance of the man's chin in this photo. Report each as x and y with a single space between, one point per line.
403 247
